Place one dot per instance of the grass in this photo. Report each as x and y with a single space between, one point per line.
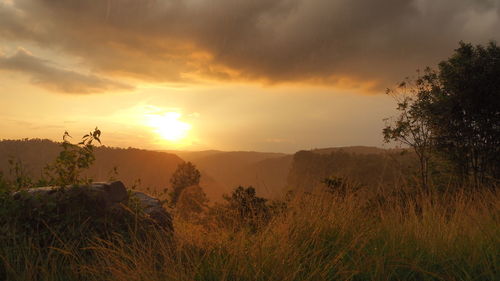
320 237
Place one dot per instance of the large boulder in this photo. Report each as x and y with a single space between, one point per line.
110 203
108 193
153 208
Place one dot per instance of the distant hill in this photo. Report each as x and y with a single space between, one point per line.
366 166
352 149
220 171
274 173
270 173
154 169
265 171
192 155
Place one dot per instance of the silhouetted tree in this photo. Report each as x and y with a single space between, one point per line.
456 111
192 202
412 126
185 175
338 185
465 111
250 210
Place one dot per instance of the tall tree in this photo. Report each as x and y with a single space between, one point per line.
465 112
412 126
456 111
184 176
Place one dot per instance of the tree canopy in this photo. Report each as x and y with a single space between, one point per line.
465 112
459 106
184 176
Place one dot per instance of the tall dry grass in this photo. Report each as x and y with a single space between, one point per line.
322 236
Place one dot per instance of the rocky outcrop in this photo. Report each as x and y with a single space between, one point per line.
99 199
153 208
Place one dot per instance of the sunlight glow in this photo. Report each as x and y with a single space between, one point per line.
168 126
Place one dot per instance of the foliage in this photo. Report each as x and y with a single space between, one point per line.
72 160
309 169
4 185
65 211
340 185
333 183
60 224
192 203
185 175
243 209
465 111
327 237
77 213
153 167
412 126
454 113
19 174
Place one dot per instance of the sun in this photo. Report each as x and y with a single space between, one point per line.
168 126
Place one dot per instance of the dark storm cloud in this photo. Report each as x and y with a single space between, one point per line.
44 74
342 42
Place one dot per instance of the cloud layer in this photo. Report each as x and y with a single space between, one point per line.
42 73
347 43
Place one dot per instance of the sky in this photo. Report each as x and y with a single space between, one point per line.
260 75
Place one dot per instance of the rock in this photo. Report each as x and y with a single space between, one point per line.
115 191
100 199
35 191
153 208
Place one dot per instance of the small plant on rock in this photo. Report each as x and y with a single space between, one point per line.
72 160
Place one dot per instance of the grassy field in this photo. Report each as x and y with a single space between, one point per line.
320 237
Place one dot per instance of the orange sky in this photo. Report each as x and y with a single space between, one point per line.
232 75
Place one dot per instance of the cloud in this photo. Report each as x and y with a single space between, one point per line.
44 74
348 43
31 125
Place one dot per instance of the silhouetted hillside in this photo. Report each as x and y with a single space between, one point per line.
267 172
352 149
193 155
270 173
221 171
154 169
367 166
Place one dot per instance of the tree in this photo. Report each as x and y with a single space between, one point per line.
412 126
184 176
192 202
339 185
465 112
248 209
454 112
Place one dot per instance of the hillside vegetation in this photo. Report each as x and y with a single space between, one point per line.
376 231
266 172
322 236
360 166
135 167
151 170
271 174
